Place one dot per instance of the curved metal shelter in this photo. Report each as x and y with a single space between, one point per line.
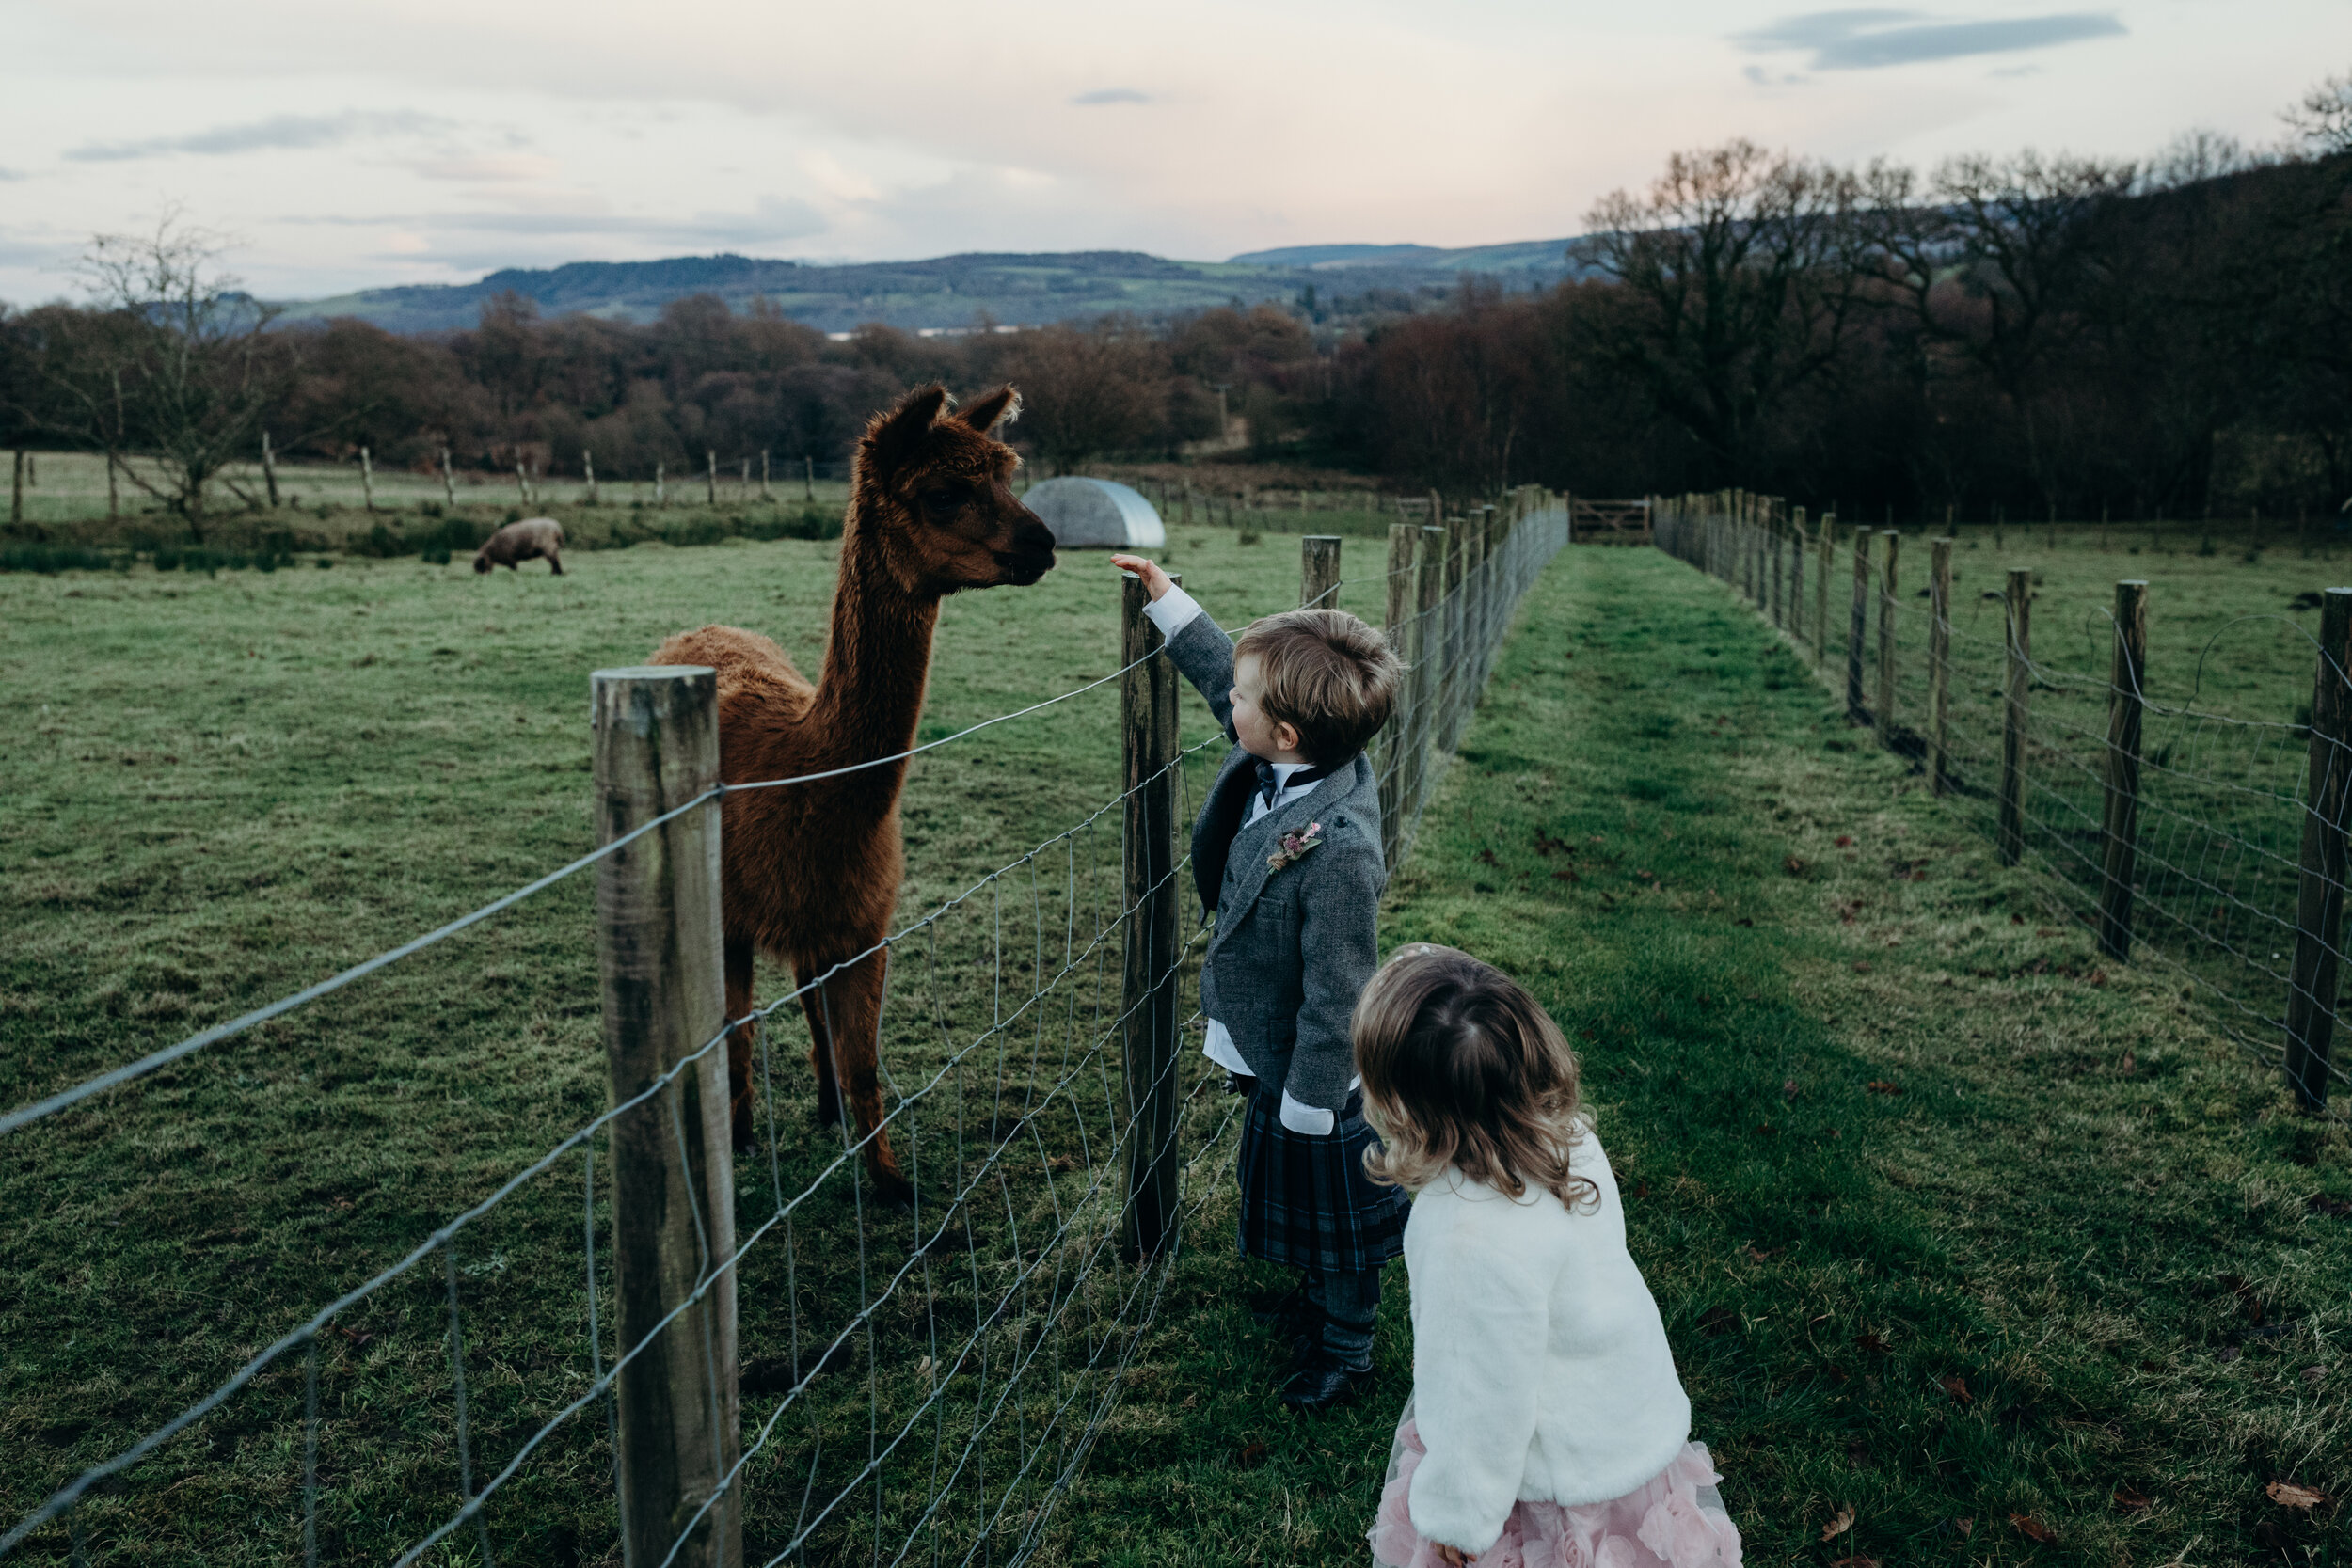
1096 515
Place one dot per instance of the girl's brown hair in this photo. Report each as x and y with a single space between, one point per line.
1462 1067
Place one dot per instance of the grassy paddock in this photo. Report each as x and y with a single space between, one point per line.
229 787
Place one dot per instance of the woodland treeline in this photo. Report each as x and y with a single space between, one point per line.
2023 333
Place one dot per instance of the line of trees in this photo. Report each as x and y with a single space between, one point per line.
2029 333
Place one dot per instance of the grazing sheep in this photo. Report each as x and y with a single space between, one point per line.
533 539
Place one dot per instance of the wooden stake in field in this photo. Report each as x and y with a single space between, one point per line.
1318 571
16 489
657 748
2319 898
808 478
1888 605
588 468
2017 687
711 471
367 479
522 482
763 475
1797 539
661 498
1428 652
1399 625
1939 664
449 480
269 476
1148 723
114 494
2119 822
1860 627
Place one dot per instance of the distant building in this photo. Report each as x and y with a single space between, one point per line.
1096 515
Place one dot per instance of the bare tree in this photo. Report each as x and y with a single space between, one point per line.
2323 117
1084 392
1738 264
173 360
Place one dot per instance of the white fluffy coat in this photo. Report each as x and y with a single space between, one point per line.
1540 1364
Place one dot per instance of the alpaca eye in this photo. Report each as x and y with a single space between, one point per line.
941 500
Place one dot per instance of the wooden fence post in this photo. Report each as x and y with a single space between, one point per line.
2119 822
2019 684
16 489
1823 549
367 479
1797 540
1475 588
1450 659
1939 663
1428 632
764 493
269 475
1147 700
1888 607
1318 571
808 477
449 478
588 468
2319 901
1860 628
661 496
657 748
710 474
1404 637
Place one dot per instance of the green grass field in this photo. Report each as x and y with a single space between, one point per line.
1949 1221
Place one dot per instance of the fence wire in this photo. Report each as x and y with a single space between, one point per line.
916 1383
2221 801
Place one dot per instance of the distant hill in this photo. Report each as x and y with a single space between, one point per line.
950 291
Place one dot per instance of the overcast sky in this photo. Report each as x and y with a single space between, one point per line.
366 142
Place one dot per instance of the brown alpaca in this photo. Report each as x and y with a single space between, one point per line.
810 872
533 539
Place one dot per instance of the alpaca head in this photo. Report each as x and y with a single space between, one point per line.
482 560
937 490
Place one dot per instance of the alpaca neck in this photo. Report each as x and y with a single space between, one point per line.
870 693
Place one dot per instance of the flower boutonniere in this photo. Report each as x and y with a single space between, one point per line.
1294 847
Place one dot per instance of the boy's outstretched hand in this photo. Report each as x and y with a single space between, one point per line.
1155 580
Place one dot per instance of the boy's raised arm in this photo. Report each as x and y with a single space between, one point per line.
1198 648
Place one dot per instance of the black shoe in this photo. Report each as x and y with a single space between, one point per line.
1322 1384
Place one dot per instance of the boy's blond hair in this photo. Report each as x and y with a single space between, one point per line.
1327 675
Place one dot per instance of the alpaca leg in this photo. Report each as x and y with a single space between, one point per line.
813 1006
854 998
555 561
739 1042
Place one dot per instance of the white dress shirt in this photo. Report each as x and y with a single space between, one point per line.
1173 613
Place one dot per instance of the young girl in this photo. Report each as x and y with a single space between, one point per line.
1547 1427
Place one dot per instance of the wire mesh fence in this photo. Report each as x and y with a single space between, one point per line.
2207 843
827 1375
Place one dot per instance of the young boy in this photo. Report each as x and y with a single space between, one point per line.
1287 854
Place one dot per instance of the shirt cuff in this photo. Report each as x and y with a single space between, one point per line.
1306 1118
1172 612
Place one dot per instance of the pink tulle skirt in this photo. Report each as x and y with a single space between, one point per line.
1675 1519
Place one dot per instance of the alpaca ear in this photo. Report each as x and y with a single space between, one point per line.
1002 403
903 426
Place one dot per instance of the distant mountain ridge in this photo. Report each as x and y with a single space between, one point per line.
952 291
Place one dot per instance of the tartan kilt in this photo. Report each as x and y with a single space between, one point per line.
1305 1201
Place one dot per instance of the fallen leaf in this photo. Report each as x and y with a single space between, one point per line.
1252 1454
2045 931
1641 1190
2128 1500
2314 1374
2017 920
1962 1527
1879 1085
1845 841
1486 856
1566 877
2227 1354
2099 977
1838 1526
1794 866
1789 1089
1862 966
2032 1528
1766 1129
2287 1495
1957 1387
1755 1257
2131 1063
1744 922
1873 1344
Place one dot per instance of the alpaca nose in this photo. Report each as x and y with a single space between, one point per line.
1034 538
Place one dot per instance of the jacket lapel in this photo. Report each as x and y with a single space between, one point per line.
1254 843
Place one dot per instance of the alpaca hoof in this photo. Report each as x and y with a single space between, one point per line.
892 1189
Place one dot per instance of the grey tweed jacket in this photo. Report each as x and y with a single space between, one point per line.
1294 947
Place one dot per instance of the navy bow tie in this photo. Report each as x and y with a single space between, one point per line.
1270 784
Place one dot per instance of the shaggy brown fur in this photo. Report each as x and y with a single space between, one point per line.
533 539
810 872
